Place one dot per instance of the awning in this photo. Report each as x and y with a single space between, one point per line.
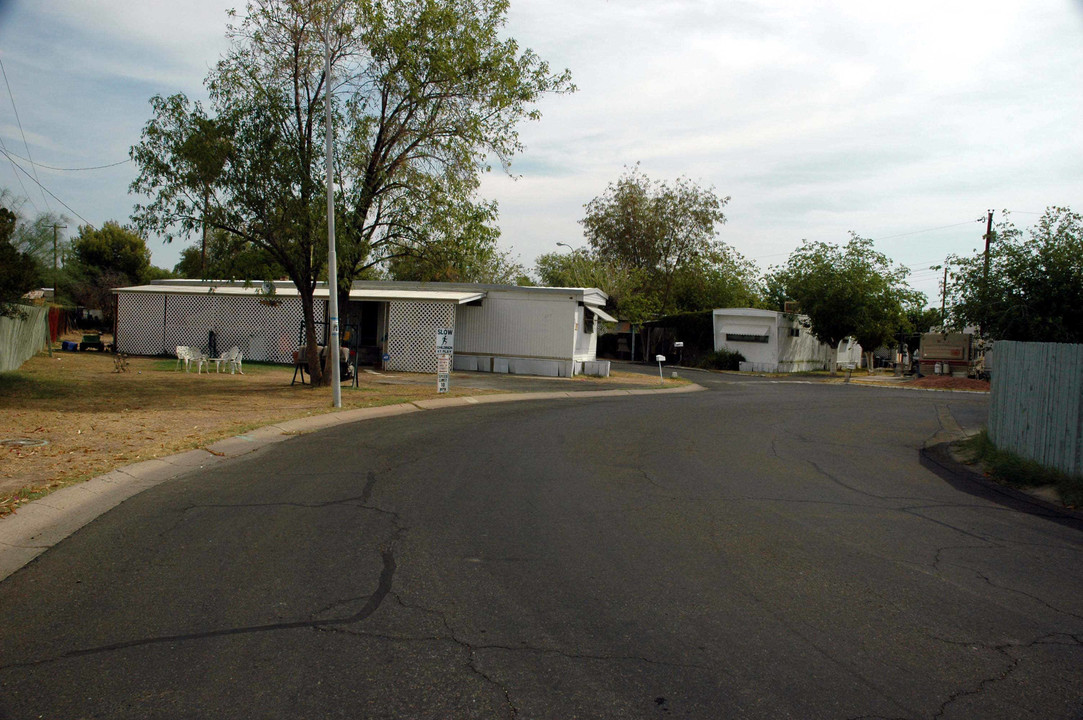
602 314
459 297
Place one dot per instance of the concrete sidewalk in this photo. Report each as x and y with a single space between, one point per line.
39 525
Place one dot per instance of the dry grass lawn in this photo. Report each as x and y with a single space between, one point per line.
95 419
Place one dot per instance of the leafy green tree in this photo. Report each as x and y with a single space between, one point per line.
583 268
720 278
656 230
849 291
35 237
1034 290
923 320
105 258
224 256
460 248
19 273
426 92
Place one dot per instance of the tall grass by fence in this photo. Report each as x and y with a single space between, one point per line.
1036 404
21 337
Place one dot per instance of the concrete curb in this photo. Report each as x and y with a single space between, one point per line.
39 525
939 459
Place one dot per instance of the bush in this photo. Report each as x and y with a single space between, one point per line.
721 360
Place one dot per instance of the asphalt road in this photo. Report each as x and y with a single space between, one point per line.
760 550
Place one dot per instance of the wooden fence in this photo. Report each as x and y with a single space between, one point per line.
1036 405
22 336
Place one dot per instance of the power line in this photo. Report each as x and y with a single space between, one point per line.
942 227
20 123
45 189
26 193
50 167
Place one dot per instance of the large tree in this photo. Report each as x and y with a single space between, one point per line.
40 237
104 258
1033 287
18 271
848 291
583 268
426 91
224 256
461 248
656 230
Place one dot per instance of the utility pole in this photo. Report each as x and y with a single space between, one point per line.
985 274
944 300
56 261
332 258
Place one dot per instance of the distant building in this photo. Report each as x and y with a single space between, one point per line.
40 296
772 341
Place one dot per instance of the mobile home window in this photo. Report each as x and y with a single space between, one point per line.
588 321
738 337
795 332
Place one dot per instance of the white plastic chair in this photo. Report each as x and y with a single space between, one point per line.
231 359
235 362
183 356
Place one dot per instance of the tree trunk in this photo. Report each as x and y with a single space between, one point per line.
312 353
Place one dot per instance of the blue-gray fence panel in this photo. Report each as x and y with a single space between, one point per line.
1036 404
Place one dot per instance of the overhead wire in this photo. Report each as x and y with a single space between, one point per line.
45 189
942 227
26 193
78 169
19 121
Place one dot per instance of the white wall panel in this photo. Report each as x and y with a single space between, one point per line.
517 327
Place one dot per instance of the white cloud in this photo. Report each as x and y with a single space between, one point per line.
817 117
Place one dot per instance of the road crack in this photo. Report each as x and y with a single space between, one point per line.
1004 650
372 604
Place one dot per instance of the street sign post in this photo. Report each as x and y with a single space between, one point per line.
445 348
445 341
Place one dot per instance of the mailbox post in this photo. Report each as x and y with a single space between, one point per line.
661 359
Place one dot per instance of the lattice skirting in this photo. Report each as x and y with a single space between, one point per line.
411 334
155 324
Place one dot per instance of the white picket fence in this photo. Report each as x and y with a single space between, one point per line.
1036 405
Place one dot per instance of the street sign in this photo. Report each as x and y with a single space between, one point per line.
443 364
445 341
443 382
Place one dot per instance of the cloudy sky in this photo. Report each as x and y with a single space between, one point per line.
903 122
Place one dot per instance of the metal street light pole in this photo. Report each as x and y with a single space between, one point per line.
332 257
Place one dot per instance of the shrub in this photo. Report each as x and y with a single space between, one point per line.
721 360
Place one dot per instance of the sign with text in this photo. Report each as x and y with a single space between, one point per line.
445 341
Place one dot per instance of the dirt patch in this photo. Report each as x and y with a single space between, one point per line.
944 382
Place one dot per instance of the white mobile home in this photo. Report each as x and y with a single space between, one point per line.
498 328
773 341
